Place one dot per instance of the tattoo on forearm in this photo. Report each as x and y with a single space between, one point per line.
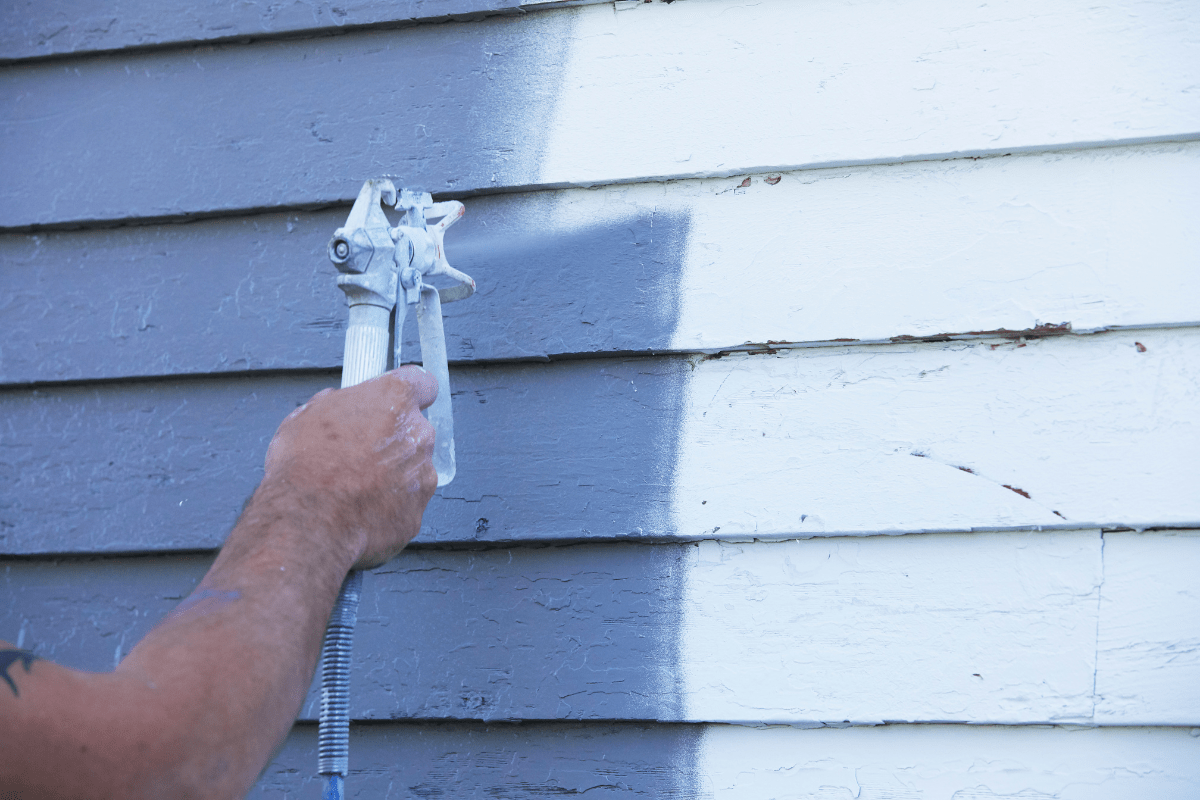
10 657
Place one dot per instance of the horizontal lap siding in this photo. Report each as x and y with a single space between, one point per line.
38 28
699 762
812 441
1085 239
619 655
1149 636
259 292
516 100
980 628
567 451
938 762
522 762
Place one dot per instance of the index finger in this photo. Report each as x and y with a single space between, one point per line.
425 386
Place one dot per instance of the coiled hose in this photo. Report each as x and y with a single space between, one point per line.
333 736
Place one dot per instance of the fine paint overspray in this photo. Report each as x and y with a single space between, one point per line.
383 270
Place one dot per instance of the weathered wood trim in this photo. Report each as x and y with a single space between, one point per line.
300 123
1078 241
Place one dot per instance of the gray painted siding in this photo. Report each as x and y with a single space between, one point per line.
461 761
583 632
257 292
569 450
287 123
37 28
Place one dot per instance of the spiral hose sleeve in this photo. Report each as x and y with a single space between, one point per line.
333 735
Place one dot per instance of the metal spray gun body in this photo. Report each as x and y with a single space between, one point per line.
383 270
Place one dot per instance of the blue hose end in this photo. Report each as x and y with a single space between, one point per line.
335 789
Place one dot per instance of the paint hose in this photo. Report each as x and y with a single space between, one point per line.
333 736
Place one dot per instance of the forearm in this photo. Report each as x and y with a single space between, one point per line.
233 663
197 708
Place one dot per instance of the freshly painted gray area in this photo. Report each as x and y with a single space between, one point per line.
578 632
566 451
88 613
462 761
257 292
451 108
38 28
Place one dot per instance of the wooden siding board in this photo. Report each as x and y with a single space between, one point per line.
36 28
162 466
466 761
226 127
1073 430
947 761
997 628
548 633
259 292
301 122
1089 239
1149 639
980 628
718 762
809 442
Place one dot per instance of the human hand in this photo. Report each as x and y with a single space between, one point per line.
364 453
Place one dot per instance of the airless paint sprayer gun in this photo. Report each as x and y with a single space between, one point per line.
383 270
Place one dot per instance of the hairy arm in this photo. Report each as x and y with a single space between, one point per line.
199 706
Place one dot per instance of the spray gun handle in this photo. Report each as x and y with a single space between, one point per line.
425 243
383 270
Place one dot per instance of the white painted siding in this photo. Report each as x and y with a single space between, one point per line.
1008 628
1148 648
935 762
708 87
955 436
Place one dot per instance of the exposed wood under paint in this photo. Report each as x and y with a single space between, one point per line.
297 123
996 627
856 439
1090 239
